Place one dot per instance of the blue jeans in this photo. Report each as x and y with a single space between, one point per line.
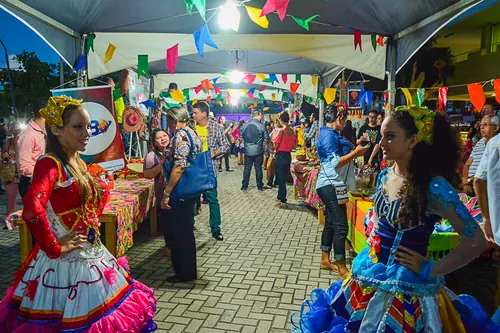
213 205
282 164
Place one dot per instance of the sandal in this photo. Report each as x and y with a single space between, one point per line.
331 267
280 205
267 187
166 252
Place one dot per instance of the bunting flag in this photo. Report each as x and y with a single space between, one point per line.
262 88
209 98
198 89
177 95
90 43
304 23
185 92
274 78
284 78
298 78
279 6
143 65
261 96
406 92
266 108
284 97
201 37
109 53
476 95
207 85
261 76
150 104
294 87
442 98
419 97
357 40
195 101
250 95
496 88
380 40
217 91
243 92
255 104
314 80
249 78
268 80
256 17
81 63
374 42
330 94
200 7
172 58
214 81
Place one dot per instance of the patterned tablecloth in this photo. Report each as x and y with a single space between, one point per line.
130 201
305 178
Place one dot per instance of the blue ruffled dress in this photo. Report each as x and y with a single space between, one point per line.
381 295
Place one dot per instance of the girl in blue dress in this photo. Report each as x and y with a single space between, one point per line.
394 286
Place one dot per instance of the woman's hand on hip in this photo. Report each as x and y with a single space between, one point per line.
410 259
71 242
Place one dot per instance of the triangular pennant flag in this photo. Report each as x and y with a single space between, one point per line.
476 95
380 40
255 16
298 78
90 43
243 92
185 92
177 95
261 96
249 78
304 23
195 101
284 97
81 63
284 78
266 108
255 104
207 85
198 89
230 92
357 40
214 80
209 98
314 80
407 94
273 96
274 78
268 80
109 52
217 90
200 7
294 87
251 90
172 58
250 95
143 65
442 98
150 104
219 97
374 42
419 97
276 5
330 94
262 88
201 37
261 76
496 88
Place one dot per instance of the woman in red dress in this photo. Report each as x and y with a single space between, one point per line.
70 282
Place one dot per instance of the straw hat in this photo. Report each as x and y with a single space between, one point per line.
132 119
136 167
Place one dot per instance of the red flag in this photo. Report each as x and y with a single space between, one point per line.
442 98
262 88
217 91
496 87
250 95
249 78
357 40
284 78
476 95
294 87
198 89
172 58
380 40
275 5
209 98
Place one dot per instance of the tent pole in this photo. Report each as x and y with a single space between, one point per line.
321 85
61 71
391 79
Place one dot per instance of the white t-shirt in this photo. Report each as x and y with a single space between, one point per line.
489 170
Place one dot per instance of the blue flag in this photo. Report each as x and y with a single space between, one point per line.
201 37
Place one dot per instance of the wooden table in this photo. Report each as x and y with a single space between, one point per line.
131 199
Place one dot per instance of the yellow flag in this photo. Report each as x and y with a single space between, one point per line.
314 79
406 92
230 92
261 76
255 103
220 103
178 96
330 95
243 92
109 53
195 101
273 96
265 109
254 14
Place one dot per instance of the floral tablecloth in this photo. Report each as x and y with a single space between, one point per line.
305 178
130 202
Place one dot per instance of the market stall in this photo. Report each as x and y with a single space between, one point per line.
130 201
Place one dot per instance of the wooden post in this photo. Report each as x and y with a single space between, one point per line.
110 232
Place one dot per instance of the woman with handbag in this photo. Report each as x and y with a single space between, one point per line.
180 224
9 170
272 180
240 145
335 152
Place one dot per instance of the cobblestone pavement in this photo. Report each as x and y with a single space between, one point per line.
253 280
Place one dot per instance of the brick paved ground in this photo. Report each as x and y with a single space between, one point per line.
253 280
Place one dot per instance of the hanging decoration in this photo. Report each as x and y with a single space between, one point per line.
249 78
298 78
229 16
200 7
217 91
357 40
419 97
149 104
262 88
109 52
177 95
330 94
380 40
172 58
374 42
207 85
406 92
496 88
201 37
304 23
143 65
279 6
256 17
442 98
261 96
274 78
209 98
268 80
214 81
294 87
476 95
82 61
273 97
198 89
284 78
185 92
261 76
314 80
90 43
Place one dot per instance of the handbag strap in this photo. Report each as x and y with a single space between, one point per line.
190 140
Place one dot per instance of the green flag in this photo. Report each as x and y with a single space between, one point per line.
304 23
143 65
116 93
298 78
374 42
419 97
261 96
185 92
200 7
90 42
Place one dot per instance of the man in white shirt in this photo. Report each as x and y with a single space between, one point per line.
487 185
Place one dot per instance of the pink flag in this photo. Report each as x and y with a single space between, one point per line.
217 90
249 78
442 98
262 88
275 5
284 78
198 89
172 58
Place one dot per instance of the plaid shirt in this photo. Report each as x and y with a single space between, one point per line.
217 140
313 133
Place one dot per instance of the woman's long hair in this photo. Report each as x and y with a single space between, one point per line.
88 185
439 159
157 150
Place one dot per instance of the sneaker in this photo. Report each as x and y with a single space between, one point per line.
244 189
261 189
229 170
218 236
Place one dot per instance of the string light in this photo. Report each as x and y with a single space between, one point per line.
236 76
229 16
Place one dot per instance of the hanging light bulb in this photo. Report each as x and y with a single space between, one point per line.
229 16
236 76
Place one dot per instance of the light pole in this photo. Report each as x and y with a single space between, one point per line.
11 82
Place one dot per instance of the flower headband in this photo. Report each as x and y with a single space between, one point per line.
341 110
424 121
52 113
